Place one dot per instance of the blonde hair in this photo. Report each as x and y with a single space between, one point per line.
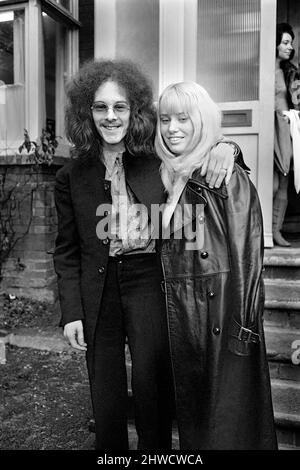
192 99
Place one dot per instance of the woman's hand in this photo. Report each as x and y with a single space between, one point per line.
73 332
218 165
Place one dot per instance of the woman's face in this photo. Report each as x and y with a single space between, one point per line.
177 130
285 47
111 113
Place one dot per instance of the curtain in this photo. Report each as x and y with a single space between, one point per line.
12 117
19 48
12 96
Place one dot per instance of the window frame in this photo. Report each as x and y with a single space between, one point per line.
60 13
33 62
8 6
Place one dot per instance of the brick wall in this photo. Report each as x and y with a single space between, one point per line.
29 270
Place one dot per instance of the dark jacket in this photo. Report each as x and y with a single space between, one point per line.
80 257
283 150
215 301
292 79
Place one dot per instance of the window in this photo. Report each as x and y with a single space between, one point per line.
12 77
228 48
65 3
38 53
55 54
60 59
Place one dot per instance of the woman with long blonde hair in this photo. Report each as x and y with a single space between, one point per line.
212 263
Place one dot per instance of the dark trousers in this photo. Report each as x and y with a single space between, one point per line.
133 306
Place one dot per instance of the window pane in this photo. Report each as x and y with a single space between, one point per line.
55 72
6 47
228 48
138 35
12 47
86 34
49 31
65 3
12 73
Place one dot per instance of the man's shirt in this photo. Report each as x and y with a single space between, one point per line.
131 230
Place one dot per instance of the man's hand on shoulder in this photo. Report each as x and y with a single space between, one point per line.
219 164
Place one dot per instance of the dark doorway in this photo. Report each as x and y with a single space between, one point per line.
289 11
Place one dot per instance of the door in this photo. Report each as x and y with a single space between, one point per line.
232 55
289 12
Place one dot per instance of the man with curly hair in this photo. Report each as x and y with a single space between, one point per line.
110 281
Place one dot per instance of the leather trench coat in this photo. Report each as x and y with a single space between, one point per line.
215 300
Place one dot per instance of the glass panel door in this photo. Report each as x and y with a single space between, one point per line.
228 48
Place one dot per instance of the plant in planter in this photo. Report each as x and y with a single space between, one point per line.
42 152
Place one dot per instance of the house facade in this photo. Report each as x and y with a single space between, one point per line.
226 45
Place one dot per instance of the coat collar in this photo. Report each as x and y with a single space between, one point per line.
143 177
193 201
92 166
197 183
141 173
91 172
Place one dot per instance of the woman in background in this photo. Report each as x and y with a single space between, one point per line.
286 98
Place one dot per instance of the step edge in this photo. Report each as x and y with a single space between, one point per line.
284 384
288 262
287 447
273 281
281 330
278 358
287 420
282 305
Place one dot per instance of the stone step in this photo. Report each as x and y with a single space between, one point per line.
282 318
286 420
286 398
286 402
287 447
283 344
284 371
281 272
278 256
288 431
282 263
281 294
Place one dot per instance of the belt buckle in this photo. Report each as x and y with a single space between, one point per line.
248 332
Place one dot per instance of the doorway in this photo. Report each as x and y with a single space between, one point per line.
288 11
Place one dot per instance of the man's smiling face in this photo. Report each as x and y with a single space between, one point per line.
111 114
